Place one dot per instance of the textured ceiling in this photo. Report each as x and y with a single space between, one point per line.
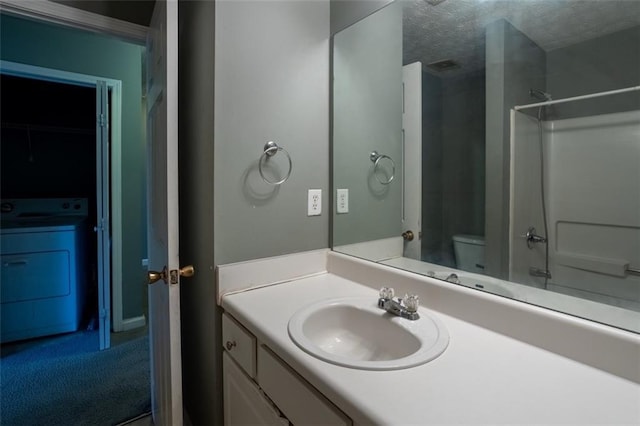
454 29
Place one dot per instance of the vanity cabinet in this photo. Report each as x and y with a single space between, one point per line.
244 401
260 388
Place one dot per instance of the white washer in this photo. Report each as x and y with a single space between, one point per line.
44 280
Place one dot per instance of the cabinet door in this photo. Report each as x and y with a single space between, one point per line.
297 399
244 402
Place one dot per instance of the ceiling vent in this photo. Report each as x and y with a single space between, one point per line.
444 65
435 2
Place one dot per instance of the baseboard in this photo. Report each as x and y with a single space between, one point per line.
132 323
142 419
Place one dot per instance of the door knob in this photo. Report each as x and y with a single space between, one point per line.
407 235
187 271
154 276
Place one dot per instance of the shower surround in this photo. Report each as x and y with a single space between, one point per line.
592 191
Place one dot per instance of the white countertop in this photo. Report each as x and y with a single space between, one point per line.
483 377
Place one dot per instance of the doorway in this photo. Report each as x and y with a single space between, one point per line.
56 137
55 146
102 53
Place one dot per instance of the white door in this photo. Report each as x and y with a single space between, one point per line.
103 221
412 159
162 226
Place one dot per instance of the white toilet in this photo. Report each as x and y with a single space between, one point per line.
469 252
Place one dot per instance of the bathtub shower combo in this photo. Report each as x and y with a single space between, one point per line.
576 181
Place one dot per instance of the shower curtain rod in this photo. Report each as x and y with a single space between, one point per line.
578 98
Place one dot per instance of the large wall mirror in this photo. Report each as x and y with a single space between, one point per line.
495 144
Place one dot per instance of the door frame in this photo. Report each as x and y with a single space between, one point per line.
47 11
113 260
412 158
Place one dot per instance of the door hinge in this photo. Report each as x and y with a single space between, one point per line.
101 120
100 226
103 313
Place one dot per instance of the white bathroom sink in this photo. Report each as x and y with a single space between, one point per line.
354 332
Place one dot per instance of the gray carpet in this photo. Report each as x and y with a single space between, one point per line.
68 382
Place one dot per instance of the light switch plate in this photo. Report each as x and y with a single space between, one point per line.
314 202
342 205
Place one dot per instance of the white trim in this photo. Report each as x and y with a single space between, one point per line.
133 323
103 228
76 18
24 70
50 74
578 98
116 208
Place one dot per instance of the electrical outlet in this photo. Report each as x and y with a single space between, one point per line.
343 201
314 202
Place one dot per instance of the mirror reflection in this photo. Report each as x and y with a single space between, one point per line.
495 144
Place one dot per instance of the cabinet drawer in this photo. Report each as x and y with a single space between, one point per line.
240 344
297 399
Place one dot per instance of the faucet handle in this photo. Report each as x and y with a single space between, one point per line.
386 293
411 302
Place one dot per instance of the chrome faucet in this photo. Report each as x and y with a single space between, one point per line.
533 238
405 308
453 278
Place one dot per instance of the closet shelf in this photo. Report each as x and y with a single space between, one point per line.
50 129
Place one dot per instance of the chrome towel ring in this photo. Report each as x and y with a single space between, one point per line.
270 149
376 158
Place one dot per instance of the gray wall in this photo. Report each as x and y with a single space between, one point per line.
61 48
201 335
514 64
271 83
431 167
605 63
463 158
347 12
367 116
263 67
453 162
